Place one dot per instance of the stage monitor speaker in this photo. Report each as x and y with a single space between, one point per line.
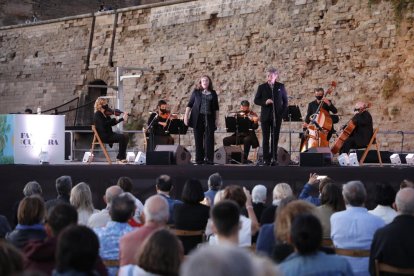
181 156
372 156
228 155
283 156
316 157
159 158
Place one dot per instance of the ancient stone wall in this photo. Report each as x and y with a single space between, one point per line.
360 46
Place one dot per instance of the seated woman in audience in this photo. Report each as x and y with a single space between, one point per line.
30 217
191 214
384 198
81 199
331 201
160 254
280 191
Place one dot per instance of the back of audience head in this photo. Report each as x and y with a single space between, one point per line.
384 194
161 253
325 181
63 185
192 191
164 183
405 201
215 182
226 217
156 209
218 260
306 234
122 208
282 190
235 193
32 188
112 192
81 196
77 249
61 216
125 183
259 194
11 259
406 183
31 211
331 195
354 193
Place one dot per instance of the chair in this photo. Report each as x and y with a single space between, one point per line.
97 141
359 253
189 233
373 141
382 267
111 263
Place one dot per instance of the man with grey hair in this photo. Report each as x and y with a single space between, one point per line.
394 244
215 183
103 217
272 97
63 187
31 188
354 228
156 215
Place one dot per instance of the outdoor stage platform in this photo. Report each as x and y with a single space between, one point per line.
100 175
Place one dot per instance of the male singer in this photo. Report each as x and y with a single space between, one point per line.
272 97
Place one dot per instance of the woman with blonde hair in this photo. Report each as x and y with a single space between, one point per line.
280 191
81 199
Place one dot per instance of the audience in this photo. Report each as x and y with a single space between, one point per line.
126 185
406 184
11 260
81 198
280 191
4 227
164 186
225 216
101 218
63 188
31 188
384 198
215 182
259 196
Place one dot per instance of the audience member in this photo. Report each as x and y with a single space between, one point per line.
121 210
31 188
331 201
394 244
191 214
164 186
126 184
225 216
280 191
259 196
30 217
354 228
215 182
406 184
11 260
4 227
313 188
156 216
160 254
81 198
306 236
101 218
384 198
63 187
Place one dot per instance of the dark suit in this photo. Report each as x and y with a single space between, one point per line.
362 133
201 127
313 107
157 133
279 97
394 244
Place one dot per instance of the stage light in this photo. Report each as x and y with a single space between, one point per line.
395 159
353 159
141 158
343 159
130 157
43 157
409 158
87 156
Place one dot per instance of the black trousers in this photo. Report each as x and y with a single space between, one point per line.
204 139
267 128
350 144
122 139
247 140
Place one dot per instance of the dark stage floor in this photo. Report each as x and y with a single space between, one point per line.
99 176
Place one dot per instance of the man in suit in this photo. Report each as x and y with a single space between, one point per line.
394 244
272 98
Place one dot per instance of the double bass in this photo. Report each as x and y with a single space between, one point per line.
321 123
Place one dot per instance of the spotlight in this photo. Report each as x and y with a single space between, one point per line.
410 158
395 159
343 159
141 158
130 157
353 159
87 156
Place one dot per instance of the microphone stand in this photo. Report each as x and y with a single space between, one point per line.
273 161
205 131
151 129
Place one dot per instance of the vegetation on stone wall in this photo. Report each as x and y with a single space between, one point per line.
400 7
391 85
137 124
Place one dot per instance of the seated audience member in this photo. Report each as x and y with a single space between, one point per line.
101 218
11 260
280 191
331 201
312 189
306 236
384 198
160 254
259 196
215 182
30 217
81 198
191 214
164 186
156 216
77 251
121 210
394 243
225 216
126 184
4 227
354 228
31 188
63 187
406 184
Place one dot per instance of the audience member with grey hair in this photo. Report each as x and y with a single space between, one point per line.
63 188
32 188
259 195
81 198
280 191
394 244
354 227
215 182
101 218
156 213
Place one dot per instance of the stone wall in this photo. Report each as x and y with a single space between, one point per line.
363 48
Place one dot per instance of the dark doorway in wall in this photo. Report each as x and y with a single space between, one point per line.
85 114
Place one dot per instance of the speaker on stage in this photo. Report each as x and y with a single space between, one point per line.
283 156
159 158
228 155
316 157
180 155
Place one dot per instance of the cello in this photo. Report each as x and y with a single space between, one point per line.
321 123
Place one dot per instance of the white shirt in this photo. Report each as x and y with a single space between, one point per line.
245 233
385 212
99 219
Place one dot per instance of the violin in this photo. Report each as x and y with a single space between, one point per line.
249 114
109 111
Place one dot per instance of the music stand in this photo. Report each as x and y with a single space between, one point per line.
237 124
292 115
177 126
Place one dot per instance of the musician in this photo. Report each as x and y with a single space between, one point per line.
363 131
158 123
272 97
103 122
327 105
249 138
201 114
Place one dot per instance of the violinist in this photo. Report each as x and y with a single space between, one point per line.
158 123
104 122
363 131
249 138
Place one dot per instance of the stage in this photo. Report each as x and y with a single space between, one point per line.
100 175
